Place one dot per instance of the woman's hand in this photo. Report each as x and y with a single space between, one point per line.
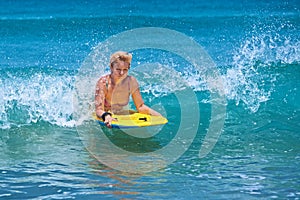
146 110
108 121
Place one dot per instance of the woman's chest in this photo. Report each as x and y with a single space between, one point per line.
118 94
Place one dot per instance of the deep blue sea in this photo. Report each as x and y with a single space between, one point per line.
225 74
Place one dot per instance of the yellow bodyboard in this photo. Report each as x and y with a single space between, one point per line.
134 120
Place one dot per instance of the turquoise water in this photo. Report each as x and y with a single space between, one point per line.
52 54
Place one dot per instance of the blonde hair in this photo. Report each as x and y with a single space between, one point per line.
120 55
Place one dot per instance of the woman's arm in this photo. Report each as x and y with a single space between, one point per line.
100 97
99 102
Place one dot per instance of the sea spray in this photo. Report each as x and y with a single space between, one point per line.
34 95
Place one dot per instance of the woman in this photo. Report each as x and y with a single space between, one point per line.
113 90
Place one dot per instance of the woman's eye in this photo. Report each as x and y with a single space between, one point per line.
124 70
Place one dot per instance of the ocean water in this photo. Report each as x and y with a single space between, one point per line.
225 74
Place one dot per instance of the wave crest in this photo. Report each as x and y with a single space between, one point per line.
36 95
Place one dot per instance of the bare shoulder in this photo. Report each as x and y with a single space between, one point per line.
102 81
134 85
132 79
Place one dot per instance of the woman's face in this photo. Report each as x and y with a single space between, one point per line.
120 70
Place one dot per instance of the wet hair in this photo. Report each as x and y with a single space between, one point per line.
120 56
